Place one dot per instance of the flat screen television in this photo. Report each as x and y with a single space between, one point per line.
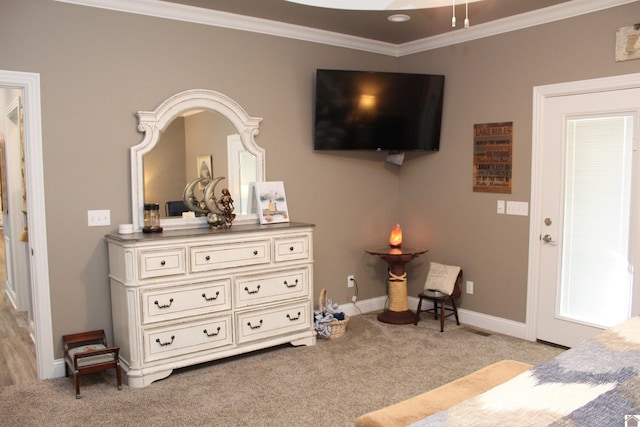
362 110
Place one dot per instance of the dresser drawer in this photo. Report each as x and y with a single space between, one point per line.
183 301
163 262
291 248
254 325
205 258
161 343
264 288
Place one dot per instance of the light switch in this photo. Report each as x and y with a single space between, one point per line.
517 208
99 218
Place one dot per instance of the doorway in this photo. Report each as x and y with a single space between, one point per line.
584 232
28 85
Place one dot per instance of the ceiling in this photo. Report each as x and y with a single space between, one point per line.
369 31
374 25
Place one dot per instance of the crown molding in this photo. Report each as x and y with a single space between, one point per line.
197 15
546 15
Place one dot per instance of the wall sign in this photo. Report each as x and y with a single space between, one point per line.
628 43
492 157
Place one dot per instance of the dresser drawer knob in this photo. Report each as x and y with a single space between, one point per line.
163 305
163 262
207 258
256 326
252 292
164 344
212 334
255 252
291 248
204 295
291 286
293 319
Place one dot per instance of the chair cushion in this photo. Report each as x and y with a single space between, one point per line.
90 360
441 277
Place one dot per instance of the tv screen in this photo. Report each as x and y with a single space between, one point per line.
361 110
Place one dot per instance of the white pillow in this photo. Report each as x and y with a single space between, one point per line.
441 278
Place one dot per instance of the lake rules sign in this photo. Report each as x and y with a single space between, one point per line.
492 157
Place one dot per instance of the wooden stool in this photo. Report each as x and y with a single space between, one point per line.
87 352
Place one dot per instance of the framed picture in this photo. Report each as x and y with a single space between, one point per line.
204 169
272 202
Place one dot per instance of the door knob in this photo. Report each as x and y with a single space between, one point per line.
547 238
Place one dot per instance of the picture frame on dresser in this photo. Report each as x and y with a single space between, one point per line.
272 202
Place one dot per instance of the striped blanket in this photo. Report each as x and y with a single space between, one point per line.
596 383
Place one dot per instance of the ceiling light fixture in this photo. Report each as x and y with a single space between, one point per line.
399 17
466 10
388 5
376 4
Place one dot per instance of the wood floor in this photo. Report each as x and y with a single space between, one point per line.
17 350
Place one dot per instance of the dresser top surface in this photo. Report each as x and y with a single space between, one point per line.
203 232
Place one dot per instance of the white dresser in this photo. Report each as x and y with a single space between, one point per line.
190 296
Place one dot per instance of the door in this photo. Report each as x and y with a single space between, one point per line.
587 226
29 86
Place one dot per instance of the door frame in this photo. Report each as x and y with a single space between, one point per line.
540 95
29 84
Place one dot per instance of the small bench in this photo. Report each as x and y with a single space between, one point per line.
411 410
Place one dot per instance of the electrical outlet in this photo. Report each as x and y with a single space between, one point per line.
99 218
469 287
500 209
350 280
354 299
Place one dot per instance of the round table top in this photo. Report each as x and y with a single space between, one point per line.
389 251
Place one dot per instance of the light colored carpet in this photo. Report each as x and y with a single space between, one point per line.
332 383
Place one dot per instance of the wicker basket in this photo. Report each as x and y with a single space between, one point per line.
338 327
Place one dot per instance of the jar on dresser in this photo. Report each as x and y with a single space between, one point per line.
184 297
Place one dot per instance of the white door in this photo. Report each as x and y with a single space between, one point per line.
587 216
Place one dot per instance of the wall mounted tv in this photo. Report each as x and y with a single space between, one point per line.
362 110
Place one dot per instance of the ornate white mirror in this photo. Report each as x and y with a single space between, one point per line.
186 130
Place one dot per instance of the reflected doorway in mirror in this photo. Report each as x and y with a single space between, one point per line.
272 202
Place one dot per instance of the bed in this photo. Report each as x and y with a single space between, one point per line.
596 383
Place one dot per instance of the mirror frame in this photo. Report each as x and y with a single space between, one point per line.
153 123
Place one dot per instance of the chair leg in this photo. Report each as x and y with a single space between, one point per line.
435 309
455 311
77 378
119 376
417 318
442 316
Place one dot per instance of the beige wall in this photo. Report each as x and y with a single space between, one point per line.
492 80
99 67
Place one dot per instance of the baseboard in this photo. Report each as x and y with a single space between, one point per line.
467 317
58 368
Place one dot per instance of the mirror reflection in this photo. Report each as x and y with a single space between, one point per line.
195 132
198 143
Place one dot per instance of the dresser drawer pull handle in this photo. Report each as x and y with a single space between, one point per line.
163 344
291 286
212 298
293 319
213 334
207 258
164 305
255 327
255 252
163 262
252 292
291 248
